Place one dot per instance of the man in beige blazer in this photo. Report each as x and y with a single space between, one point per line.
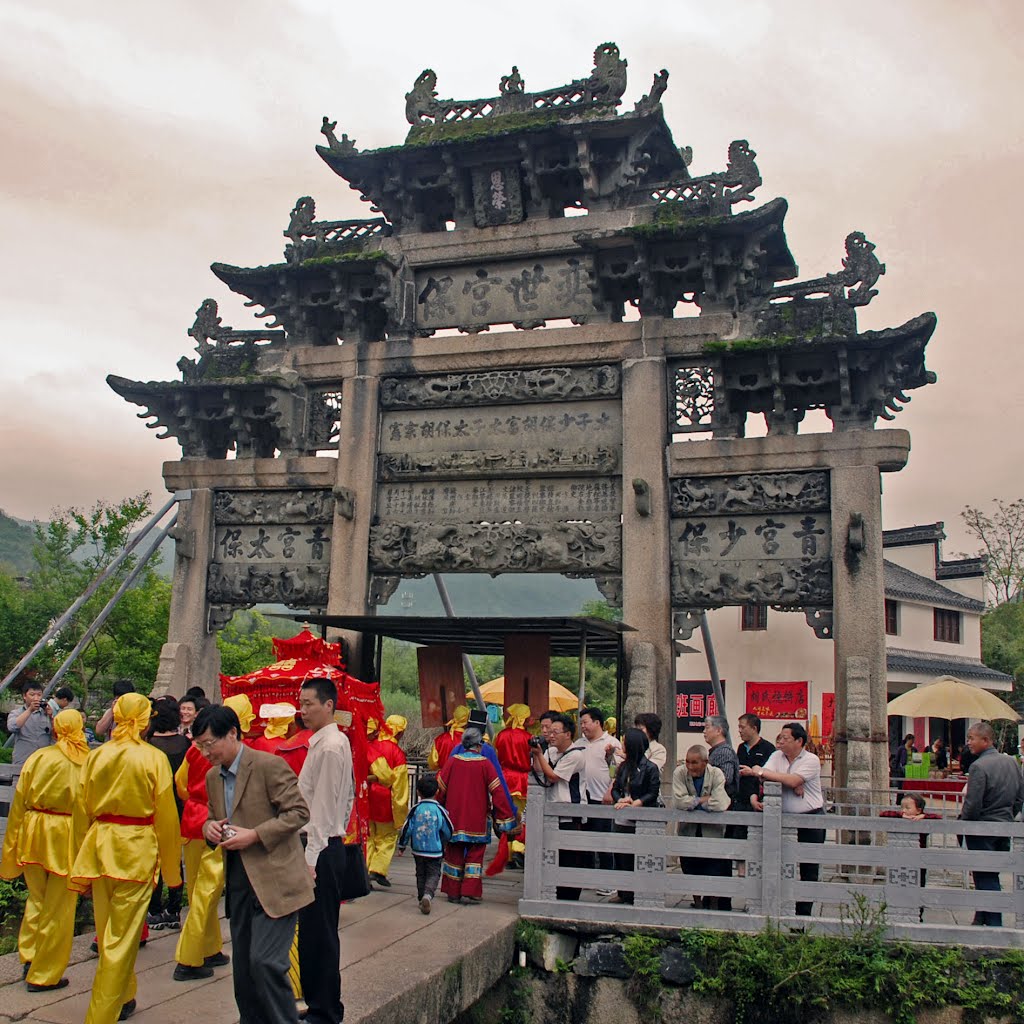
255 813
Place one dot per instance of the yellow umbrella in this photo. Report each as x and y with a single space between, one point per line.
559 698
949 698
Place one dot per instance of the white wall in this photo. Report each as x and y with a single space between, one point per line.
787 651
919 558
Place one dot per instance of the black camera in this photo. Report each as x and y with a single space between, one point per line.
537 742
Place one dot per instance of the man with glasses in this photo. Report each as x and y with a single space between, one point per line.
561 769
799 772
255 813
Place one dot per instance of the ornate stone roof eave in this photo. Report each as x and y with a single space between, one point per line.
511 139
236 278
665 223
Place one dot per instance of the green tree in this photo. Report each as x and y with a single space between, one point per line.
1001 536
70 551
1002 644
245 644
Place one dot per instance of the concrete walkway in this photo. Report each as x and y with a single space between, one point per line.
398 965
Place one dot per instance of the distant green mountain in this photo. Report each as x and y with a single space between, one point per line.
16 541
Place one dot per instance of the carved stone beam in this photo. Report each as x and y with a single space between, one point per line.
684 622
611 589
381 589
345 502
820 620
220 616
184 541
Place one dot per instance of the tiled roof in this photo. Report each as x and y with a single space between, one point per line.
903 584
933 533
901 660
961 569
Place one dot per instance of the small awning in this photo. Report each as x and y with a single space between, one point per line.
485 635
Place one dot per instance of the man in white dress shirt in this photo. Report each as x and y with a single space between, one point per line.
326 784
799 771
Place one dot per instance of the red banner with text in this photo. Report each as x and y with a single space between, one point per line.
776 701
828 714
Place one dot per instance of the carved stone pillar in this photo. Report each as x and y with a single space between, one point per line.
357 472
646 596
190 656
861 751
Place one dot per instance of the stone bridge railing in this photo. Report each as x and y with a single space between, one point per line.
864 855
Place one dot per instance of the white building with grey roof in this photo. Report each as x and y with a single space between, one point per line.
769 659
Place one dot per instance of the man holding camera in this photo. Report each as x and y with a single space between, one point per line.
30 725
561 768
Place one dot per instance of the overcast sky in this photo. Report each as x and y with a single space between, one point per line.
141 142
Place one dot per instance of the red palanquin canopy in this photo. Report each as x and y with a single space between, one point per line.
303 657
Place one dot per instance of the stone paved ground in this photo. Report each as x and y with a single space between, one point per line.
396 963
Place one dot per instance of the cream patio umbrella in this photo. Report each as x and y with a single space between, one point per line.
949 698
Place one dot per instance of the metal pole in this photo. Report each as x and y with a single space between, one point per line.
474 685
109 607
583 671
716 682
92 588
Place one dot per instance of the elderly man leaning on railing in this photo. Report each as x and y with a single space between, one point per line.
699 786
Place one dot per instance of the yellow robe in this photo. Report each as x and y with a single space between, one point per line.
37 845
383 838
121 861
204 882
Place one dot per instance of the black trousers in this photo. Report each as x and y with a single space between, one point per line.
605 861
174 897
625 861
259 954
319 942
987 881
808 872
428 874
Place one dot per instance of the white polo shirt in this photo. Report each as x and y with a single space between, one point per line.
597 773
808 767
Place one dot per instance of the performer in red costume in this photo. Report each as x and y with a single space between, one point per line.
448 740
280 719
199 945
389 795
471 792
512 746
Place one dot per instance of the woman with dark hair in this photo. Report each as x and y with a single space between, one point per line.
163 734
637 784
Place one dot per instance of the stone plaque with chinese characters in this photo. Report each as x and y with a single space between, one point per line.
751 538
271 546
524 292
497 198
531 426
470 500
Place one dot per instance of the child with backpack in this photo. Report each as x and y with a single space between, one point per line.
427 830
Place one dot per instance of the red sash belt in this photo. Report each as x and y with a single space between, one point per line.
123 819
46 810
